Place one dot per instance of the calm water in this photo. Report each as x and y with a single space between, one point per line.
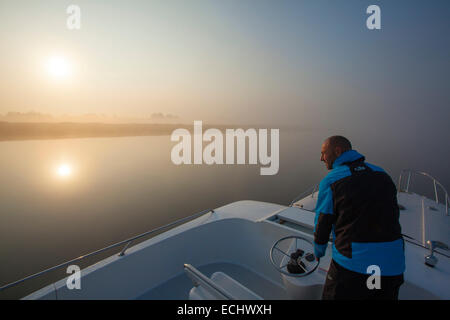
119 187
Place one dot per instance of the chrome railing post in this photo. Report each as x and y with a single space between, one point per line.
435 191
122 253
314 190
446 204
407 184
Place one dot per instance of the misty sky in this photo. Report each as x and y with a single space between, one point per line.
307 63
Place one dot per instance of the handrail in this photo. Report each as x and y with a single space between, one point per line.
410 172
127 241
301 196
435 184
199 278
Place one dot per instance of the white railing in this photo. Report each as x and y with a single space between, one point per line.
127 243
310 191
409 173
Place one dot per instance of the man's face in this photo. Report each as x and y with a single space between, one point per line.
328 155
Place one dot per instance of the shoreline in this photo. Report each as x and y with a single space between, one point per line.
22 131
19 131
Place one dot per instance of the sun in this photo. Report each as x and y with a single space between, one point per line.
58 67
64 170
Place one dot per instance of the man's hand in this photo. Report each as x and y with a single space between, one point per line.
319 250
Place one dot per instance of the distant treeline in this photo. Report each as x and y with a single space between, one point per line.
33 131
67 130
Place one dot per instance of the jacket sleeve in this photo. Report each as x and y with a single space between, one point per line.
324 218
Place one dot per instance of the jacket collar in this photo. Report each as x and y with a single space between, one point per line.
348 156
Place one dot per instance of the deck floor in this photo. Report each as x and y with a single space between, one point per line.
178 288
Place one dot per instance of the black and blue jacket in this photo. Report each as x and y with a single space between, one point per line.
357 203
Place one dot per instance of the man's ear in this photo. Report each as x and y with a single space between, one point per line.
338 151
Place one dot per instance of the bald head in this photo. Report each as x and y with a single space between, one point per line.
332 148
339 141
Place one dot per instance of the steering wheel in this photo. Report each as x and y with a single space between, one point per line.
306 259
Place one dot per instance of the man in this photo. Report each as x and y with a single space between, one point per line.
357 203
